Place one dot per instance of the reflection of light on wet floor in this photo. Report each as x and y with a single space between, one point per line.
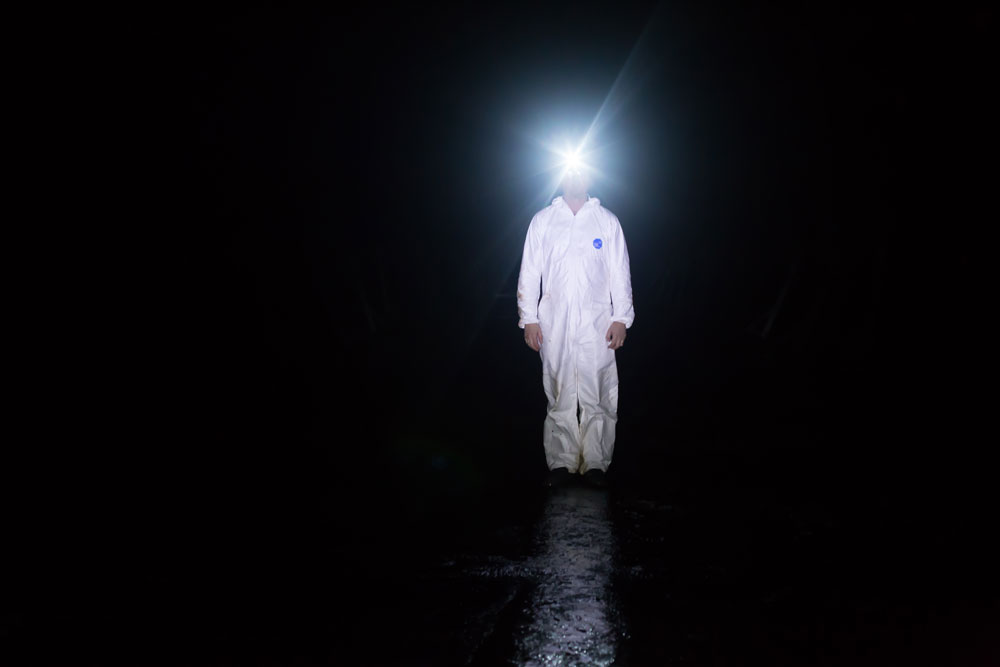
572 618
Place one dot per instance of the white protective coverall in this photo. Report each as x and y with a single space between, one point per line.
583 265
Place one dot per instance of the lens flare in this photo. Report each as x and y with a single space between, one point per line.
572 161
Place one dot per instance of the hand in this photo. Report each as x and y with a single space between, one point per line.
616 335
533 336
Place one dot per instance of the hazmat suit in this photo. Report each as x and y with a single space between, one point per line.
574 282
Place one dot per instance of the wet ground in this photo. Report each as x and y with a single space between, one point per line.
718 572
722 561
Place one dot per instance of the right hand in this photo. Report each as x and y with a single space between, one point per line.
533 336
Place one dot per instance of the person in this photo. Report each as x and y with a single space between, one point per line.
574 302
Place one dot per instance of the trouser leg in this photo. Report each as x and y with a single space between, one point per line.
598 391
561 437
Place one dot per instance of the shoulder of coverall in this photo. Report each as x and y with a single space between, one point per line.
608 217
547 212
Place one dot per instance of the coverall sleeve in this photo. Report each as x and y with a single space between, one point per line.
530 277
621 277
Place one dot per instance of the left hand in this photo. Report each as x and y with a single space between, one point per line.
616 335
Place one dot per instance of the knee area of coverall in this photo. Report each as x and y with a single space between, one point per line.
600 394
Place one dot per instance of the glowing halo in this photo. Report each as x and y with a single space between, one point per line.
572 160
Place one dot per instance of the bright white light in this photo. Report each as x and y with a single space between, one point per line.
563 155
572 160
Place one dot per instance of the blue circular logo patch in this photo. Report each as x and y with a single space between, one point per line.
597 243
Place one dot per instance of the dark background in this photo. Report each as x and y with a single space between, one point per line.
311 343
